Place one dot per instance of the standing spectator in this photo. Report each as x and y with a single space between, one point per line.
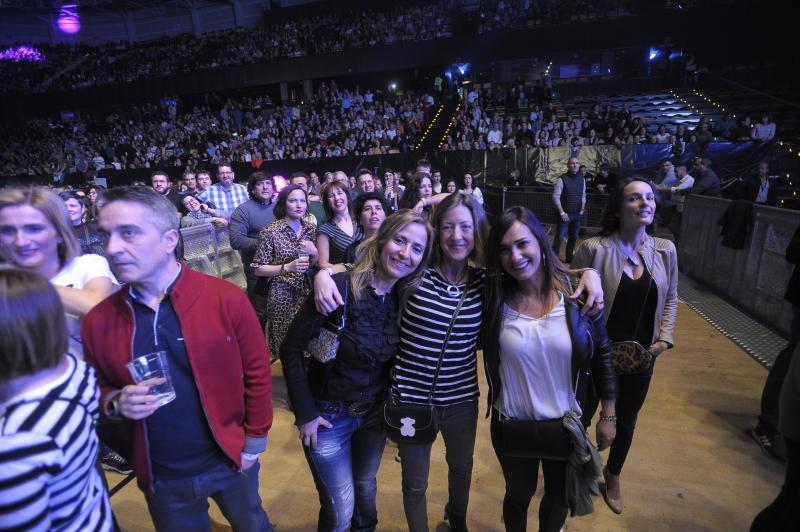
436 181
189 180
91 240
203 180
340 231
758 189
225 195
316 213
365 182
640 288
706 181
474 191
278 257
766 433
198 213
606 181
764 130
161 183
48 474
204 443
569 196
247 221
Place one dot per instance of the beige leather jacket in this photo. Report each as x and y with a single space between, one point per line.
661 260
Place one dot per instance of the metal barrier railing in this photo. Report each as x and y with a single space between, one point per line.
754 278
541 203
207 248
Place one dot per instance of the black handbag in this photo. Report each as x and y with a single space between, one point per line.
416 423
528 438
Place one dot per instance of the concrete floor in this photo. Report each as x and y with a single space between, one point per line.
691 468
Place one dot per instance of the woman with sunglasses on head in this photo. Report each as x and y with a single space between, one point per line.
640 286
337 403
537 352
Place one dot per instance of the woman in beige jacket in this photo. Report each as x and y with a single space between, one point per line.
640 286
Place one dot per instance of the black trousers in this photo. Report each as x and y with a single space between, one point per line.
258 301
770 396
631 394
783 515
521 476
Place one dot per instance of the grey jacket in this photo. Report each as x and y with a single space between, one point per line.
661 260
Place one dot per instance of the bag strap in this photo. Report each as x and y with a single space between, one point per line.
343 319
447 337
647 293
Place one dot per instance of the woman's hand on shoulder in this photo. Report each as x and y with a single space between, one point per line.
308 431
326 294
592 286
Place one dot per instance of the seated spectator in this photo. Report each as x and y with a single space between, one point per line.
726 127
764 130
662 136
744 131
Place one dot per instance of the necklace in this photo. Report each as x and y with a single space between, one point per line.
452 286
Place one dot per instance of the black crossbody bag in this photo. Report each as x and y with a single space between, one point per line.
416 423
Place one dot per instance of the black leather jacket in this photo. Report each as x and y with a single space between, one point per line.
591 356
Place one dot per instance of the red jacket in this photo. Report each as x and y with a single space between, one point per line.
227 352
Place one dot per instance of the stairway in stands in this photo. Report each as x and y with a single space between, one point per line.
438 127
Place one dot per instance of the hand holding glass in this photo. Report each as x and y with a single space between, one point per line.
152 370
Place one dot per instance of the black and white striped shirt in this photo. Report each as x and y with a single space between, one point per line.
48 451
423 326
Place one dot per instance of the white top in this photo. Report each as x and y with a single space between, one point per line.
536 365
77 273
477 194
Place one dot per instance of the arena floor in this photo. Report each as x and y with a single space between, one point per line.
691 468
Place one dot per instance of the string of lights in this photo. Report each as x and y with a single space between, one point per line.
449 126
430 126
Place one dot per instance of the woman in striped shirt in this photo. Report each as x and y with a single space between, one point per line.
460 230
341 230
49 405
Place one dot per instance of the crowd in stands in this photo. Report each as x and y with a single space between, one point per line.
507 14
524 122
119 62
335 122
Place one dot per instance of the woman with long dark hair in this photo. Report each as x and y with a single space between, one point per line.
337 403
284 253
640 287
538 348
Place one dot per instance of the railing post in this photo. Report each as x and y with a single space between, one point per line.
503 199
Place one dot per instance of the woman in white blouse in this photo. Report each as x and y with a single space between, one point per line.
469 189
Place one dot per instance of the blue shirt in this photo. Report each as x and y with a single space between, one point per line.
178 433
225 200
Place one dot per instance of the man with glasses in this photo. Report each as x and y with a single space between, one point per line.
225 195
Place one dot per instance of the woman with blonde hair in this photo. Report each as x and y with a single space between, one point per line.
36 234
337 403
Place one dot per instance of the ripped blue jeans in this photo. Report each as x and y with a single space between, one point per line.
344 464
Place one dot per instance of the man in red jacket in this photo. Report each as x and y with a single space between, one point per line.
207 441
